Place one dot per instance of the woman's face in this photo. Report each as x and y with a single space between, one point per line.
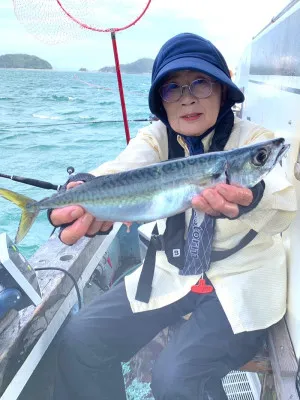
190 115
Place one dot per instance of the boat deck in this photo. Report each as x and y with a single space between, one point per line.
28 345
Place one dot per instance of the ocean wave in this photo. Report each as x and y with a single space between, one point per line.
41 116
62 98
106 103
92 141
3 98
42 147
86 117
11 137
73 112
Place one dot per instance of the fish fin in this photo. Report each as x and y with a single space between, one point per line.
199 216
27 217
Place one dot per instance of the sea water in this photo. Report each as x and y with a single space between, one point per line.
49 122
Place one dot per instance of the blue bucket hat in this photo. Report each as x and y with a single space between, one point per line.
188 51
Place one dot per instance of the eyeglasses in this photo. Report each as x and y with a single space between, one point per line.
200 88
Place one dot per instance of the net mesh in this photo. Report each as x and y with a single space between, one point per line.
58 21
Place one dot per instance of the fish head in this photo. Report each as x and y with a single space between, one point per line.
250 164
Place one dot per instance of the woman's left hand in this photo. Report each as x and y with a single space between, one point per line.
223 199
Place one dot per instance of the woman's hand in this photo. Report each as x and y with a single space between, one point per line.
84 223
223 199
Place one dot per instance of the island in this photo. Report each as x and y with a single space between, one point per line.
23 61
83 70
141 66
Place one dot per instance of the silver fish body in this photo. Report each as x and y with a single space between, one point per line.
167 188
160 190
143 194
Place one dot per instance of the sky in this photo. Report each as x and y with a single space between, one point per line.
40 28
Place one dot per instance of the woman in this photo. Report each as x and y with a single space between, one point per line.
192 95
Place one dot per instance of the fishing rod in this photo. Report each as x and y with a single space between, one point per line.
82 123
35 182
31 182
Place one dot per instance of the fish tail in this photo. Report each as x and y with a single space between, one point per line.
28 216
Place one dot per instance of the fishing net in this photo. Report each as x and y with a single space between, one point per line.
58 21
55 21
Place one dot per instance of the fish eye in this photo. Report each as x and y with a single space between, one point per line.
260 157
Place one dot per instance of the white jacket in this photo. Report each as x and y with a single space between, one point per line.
250 284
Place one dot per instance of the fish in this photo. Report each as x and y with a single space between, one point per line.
159 190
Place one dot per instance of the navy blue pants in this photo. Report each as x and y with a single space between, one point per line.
106 333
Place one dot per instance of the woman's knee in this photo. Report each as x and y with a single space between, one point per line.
79 347
178 381
167 382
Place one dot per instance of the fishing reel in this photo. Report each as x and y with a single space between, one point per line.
19 287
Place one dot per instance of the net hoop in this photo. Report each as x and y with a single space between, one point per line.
85 26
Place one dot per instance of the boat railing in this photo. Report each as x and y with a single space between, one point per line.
276 17
29 332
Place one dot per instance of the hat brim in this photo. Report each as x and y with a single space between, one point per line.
193 64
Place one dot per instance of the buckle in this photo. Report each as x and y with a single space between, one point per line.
158 242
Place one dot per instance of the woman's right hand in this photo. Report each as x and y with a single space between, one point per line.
83 222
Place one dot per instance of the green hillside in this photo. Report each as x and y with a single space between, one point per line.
141 66
23 61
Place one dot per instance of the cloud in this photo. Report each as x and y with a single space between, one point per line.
229 24
5 6
217 9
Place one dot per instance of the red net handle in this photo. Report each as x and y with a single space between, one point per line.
120 84
114 43
85 26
